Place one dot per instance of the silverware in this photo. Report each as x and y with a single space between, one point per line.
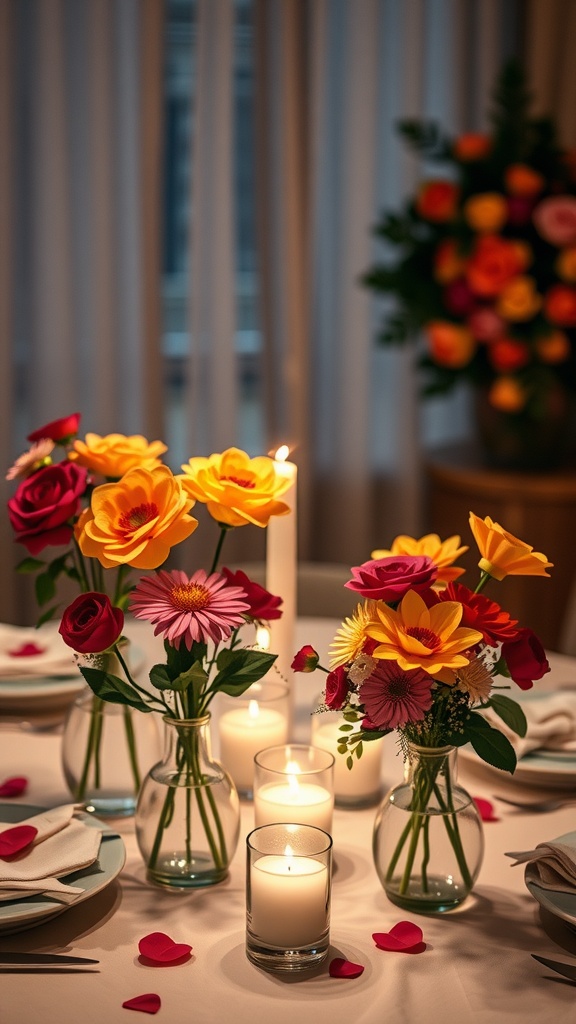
43 959
566 970
538 805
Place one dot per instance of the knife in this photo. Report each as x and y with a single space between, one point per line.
567 970
42 959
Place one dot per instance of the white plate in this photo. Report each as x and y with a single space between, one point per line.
561 904
17 915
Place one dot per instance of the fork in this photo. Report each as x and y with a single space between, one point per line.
539 805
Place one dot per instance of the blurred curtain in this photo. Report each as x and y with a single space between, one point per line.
80 179
550 32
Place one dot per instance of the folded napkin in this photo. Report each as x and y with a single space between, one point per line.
551 720
554 863
27 652
62 845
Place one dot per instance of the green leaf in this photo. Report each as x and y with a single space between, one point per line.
30 565
510 712
238 669
57 567
490 744
350 763
195 677
159 677
50 613
45 588
113 689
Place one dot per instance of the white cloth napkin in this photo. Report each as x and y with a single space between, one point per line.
551 720
54 657
63 845
554 863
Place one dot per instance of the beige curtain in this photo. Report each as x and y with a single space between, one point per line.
550 32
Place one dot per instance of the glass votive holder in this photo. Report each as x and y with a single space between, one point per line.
361 785
248 724
288 883
294 782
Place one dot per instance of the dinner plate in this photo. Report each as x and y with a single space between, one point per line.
561 904
17 915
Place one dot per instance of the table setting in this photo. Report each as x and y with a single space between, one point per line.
252 866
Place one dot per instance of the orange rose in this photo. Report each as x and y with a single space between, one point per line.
114 454
471 146
522 180
566 264
486 212
494 262
560 305
553 348
436 201
448 264
508 354
519 299
507 395
449 344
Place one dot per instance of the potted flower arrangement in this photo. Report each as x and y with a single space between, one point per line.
482 264
426 657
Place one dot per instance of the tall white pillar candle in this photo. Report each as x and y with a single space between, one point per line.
288 900
281 572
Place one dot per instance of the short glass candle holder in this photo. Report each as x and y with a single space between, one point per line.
288 884
361 785
294 782
250 723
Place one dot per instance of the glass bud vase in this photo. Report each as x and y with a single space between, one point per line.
428 841
188 813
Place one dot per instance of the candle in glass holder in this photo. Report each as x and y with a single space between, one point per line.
250 723
360 785
294 783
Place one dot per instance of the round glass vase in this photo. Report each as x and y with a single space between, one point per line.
188 813
428 841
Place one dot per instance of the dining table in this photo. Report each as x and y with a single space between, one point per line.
476 967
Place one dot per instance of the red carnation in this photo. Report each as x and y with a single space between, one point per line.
480 613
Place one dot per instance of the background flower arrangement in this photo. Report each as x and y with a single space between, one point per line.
482 262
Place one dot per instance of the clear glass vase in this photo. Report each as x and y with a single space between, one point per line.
188 814
428 841
106 751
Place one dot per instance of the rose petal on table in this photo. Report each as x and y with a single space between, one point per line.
14 786
404 937
485 809
26 651
161 949
149 1002
340 968
16 839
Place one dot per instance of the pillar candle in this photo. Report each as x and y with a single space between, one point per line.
243 732
288 900
307 803
354 786
281 573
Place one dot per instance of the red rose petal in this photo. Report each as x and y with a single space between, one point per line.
340 968
149 1002
15 840
26 651
485 809
404 937
14 786
161 949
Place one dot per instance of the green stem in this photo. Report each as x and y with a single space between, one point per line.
217 553
131 740
95 711
484 577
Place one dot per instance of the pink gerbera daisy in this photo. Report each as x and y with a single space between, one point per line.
189 608
394 697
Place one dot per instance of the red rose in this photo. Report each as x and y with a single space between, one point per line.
91 624
525 658
263 604
388 579
58 430
336 688
305 660
41 509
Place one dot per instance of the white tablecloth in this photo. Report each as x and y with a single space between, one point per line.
477 966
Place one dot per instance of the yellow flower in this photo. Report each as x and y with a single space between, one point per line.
475 680
519 299
419 637
114 454
503 554
236 489
486 212
442 552
507 394
136 520
351 636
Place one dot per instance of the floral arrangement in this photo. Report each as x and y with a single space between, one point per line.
482 260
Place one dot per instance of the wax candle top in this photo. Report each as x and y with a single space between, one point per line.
289 865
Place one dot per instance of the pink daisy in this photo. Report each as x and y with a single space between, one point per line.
394 697
189 608
31 460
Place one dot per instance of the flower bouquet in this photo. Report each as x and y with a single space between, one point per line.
426 656
482 264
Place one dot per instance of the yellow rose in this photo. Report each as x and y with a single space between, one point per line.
503 554
519 299
236 489
114 454
486 212
566 264
507 394
553 348
136 520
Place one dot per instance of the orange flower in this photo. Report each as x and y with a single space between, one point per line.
436 201
560 305
508 354
472 146
553 348
114 454
503 554
136 520
237 490
522 180
442 553
507 395
519 299
494 262
566 264
448 264
486 212
450 345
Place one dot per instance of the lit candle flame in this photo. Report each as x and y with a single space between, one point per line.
263 638
253 709
282 453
